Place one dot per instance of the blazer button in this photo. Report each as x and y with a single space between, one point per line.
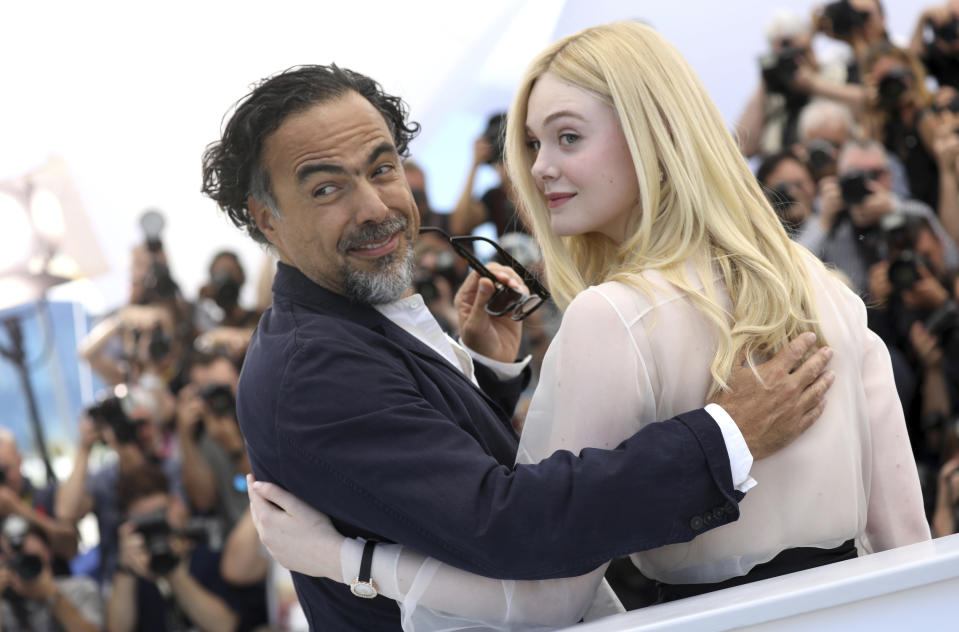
696 523
718 514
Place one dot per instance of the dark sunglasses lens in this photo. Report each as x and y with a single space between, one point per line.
503 301
527 307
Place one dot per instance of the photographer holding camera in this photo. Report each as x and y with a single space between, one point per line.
166 578
900 116
790 78
935 41
121 420
18 497
496 204
859 198
859 23
213 459
31 598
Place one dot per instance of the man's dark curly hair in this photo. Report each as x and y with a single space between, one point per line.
232 169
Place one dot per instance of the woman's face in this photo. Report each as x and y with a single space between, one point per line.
582 165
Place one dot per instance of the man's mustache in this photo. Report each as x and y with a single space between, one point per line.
374 232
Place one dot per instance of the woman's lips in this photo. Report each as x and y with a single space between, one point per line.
558 199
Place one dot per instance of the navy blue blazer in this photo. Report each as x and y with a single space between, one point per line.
360 419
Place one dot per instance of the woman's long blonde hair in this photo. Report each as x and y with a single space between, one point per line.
699 201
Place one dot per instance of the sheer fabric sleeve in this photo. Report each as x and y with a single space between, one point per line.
587 397
894 515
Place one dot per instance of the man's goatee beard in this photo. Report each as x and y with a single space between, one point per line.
392 274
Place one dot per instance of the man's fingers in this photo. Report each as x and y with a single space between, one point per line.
790 355
814 365
815 393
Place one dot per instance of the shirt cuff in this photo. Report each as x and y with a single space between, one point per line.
740 458
502 370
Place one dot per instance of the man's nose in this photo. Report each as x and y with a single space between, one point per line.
370 204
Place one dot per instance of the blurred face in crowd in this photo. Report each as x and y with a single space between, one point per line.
875 24
929 246
582 164
417 181
945 106
347 218
887 66
10 461
794 178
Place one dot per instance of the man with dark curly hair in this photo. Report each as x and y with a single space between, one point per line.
352 398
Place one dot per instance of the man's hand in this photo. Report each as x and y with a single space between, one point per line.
133 552
880 287
495 337
926 346
832 203
927 293
189 412
10 503
873 208
771 413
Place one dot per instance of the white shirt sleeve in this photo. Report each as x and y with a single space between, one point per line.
740 458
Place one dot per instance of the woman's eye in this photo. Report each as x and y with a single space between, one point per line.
568 139
532 145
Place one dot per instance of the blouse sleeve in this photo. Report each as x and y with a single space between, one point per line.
894 515
894 512
589 395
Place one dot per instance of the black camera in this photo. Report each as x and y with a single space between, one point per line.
948 32
425 285
779 69
844 18
852 185
26 565
495 133
898 242
780 198
157 533
219 398
226 290
111 410
821 157
892 86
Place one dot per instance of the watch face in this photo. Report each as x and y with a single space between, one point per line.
365 590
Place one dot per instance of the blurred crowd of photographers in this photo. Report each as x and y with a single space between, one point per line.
859 156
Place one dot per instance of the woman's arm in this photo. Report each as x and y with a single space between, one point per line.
894 514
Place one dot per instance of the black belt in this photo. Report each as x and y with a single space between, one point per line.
788 561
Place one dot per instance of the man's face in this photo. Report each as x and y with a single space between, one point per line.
10 464
871 161
795 179
347 217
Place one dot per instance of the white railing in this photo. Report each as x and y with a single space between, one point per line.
913 588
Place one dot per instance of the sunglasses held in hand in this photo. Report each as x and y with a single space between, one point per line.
505 300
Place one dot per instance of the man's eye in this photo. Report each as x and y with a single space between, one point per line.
568 139
383 169
324 190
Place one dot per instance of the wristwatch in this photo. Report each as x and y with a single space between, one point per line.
363 585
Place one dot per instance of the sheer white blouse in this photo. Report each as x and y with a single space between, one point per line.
623 359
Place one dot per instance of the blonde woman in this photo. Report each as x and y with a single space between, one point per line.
670 265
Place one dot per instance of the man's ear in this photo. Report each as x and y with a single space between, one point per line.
263 217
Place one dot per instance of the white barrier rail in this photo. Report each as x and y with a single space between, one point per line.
914 587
